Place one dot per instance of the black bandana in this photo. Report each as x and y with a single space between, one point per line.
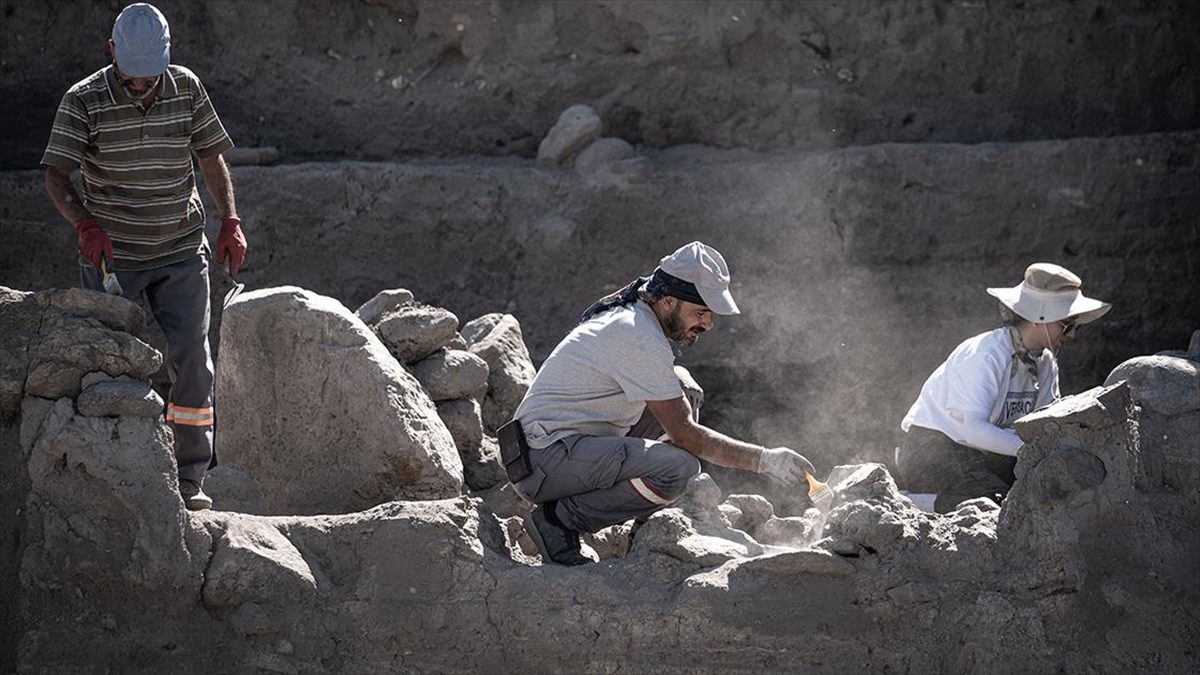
660 283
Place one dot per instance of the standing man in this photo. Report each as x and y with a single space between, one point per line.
594 417
132 127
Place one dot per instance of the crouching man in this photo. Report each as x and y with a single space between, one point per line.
608 432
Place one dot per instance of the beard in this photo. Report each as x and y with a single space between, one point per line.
139 95
675 330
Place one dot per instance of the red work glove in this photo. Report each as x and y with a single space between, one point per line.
231 243
94 243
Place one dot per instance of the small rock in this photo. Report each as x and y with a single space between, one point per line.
481 465
703 492
451 374
115 398
476 329
383 302
733 514
510 369
462 418
502 500
577 127
611 542
285 646
846 547
254 562
412 332
791 531
755 509
598 154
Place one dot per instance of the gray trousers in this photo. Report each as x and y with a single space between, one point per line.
929 461
604 480
179 299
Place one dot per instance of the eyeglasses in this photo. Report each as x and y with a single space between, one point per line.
1068 327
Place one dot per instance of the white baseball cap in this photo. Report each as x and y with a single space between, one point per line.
142 41
704 267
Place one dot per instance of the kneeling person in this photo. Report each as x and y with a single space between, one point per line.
610 432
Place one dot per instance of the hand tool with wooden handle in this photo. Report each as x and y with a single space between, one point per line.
111 285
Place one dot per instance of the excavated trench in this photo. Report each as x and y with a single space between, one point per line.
867 169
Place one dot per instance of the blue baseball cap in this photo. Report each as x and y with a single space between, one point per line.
142 41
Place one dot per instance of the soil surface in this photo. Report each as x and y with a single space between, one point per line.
393 79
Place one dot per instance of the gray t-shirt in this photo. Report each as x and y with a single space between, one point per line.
597 380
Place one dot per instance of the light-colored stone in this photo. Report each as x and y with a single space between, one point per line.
755 510
75 347
115 398
792 531
383 302
113 311
510 370
450 374
254 562
462 419
601 152
349 430
481 464
1167 384
477 328
576 127
412 332
457 342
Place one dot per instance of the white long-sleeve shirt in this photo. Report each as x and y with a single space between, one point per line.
977 393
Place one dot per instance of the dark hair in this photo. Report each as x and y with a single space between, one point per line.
1011 318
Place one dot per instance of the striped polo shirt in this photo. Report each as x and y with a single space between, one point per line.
136 162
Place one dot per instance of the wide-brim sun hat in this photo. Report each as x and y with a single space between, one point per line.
704 267
141 41
1050 293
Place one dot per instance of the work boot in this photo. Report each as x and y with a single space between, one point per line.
193 497
556 543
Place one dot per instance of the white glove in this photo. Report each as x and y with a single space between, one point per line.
785 464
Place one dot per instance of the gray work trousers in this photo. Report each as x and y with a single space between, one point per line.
604 480
178 297
929 461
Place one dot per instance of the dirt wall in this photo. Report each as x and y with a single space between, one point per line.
857 269
383 80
